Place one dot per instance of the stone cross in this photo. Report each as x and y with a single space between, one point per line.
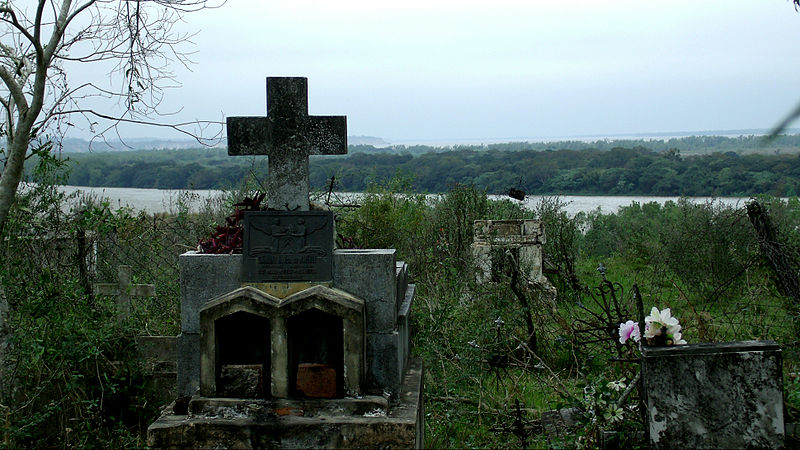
124 290
288 135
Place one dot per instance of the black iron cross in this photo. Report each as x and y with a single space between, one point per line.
288 135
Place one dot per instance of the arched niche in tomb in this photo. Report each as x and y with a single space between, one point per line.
236 344
309 344
242 345
325 331
316 354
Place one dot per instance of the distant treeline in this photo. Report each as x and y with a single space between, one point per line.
688 146
617 171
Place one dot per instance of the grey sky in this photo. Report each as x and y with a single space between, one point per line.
428 69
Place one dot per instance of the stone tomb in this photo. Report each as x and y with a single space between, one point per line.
367 283
239 361
497 240
293 343
283 339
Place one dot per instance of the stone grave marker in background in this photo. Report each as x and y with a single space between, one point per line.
499 245
523 238
123 290
157 354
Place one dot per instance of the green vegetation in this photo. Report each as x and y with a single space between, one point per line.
73 379
598 168
702 260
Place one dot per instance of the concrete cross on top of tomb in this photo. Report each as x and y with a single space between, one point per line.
287 135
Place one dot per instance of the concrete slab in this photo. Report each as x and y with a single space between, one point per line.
368 422
204 277
370 275
721 395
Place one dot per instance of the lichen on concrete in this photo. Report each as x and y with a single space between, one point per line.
726 395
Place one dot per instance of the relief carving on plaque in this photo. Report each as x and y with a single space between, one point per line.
288 246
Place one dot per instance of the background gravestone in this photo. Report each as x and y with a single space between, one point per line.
721 395
123 290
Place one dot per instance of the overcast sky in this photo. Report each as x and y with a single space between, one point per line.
501 69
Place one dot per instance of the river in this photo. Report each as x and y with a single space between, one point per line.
164 201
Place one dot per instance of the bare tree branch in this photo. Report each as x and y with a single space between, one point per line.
14 89
19 27
35 92
79 10
179 127
37 27
784 124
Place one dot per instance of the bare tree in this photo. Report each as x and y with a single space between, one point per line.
136 40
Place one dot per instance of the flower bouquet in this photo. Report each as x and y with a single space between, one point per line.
660 329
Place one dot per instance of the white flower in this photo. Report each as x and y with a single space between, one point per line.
651 331
613 414
677 339
661 317
616 385
667 320
654 316
663 320
674 334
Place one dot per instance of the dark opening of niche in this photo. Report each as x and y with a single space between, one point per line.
243 356
316 355
504 262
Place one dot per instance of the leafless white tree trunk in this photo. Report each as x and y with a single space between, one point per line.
39 37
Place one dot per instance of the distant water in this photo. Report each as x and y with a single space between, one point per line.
608 204
161 201
149 200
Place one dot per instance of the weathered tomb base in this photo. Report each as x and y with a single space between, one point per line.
493 238
373 275
366 422
721 395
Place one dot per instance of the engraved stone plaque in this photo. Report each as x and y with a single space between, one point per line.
287 246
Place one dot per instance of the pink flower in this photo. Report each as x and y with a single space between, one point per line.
629 330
